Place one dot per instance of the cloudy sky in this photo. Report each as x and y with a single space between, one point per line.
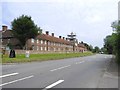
89 19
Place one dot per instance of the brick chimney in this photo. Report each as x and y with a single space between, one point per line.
4 28
53 34
47 32
60 37
63 37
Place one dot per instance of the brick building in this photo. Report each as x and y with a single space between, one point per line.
42 42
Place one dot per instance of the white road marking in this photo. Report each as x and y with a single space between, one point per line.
16 80
54 84
8 75
79 62
60 68
105 57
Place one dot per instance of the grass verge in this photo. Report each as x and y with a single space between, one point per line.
20 58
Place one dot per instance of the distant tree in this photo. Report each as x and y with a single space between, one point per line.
104 50
24 28
86 45
96 49
90 47
109 43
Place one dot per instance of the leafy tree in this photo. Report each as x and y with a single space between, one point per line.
96 49
89 47
117 47
110 43
103 49
24 28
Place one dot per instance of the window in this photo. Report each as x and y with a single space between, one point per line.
32 40
41 48
53 49
45 49
41 41
45 42
37 48
54 43
33 47
48 48
48 43
37 41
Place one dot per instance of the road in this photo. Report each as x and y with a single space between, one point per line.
81 72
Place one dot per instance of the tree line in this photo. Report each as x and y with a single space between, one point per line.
112 42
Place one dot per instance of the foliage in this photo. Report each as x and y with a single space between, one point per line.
96 49
118 43
24 28
109 43
112 42
103 49
89 47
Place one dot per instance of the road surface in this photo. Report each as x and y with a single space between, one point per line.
81 72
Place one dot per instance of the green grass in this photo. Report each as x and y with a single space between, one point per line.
20 58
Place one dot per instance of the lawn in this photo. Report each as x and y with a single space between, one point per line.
20 58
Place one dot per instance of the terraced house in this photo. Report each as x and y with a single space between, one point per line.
42 42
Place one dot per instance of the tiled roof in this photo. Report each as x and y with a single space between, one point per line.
7 34
81 45
53 39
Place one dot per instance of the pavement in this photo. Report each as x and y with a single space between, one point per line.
97 71
111 76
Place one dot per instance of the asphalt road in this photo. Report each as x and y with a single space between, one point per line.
82 72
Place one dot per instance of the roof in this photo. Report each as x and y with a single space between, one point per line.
81 45
53 39
7 34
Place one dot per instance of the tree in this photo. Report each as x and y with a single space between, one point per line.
112 42
96 49
24 28
109 43
103 49
90 47
117 47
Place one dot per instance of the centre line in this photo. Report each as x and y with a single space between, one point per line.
79 62
54 84
16 80
60 68
8 75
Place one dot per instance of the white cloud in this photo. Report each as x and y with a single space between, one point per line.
93 19
84 17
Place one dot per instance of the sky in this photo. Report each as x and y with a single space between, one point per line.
90 20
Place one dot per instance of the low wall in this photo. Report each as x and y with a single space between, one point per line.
34 52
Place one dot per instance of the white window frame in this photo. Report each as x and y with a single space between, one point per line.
45 42
32 40
37 48
41 48
45 48
37 41
41 41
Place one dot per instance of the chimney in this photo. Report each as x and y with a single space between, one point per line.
66 39
60 37
47 32
4 28
63 37
53 34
